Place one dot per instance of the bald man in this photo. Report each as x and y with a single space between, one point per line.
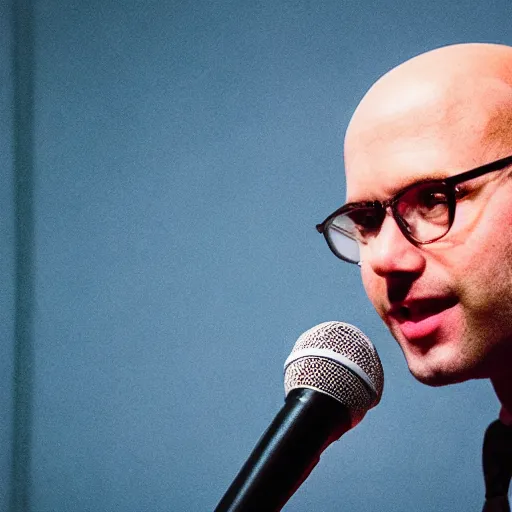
428 218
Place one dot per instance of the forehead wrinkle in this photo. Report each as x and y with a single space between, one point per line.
498 132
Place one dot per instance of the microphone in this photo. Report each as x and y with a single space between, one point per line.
332 377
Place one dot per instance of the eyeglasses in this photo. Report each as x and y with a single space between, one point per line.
423 211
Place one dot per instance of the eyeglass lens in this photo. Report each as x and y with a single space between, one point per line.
422 212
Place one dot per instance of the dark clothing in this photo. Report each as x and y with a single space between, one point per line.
498 504
497 465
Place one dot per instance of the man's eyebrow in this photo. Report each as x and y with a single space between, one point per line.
360 204
405 182
399 187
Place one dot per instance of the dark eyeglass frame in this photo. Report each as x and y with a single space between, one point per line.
450 183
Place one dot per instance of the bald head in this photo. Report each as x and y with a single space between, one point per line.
456 96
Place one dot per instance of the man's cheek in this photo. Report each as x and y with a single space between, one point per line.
374 289
367 282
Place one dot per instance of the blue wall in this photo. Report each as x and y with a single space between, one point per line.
7 256
183 153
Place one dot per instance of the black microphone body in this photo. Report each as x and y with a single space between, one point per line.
287 452
332 377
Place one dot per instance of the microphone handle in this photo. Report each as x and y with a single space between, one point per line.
287 452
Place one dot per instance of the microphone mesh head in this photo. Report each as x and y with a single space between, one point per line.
352 374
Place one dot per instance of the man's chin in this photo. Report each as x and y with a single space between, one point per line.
440 373
438 379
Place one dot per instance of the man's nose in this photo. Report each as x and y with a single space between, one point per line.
389 252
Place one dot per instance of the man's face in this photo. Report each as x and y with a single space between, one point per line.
449 303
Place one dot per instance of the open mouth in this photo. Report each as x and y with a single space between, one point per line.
422 318
418 310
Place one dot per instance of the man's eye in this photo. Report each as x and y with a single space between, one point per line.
365 221
431 200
